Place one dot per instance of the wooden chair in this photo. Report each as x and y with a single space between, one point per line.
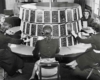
49 71
96 67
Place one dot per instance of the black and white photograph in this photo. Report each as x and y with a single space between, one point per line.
49 39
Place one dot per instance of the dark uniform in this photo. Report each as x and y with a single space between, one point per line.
90 57
46 48
9 61
90 21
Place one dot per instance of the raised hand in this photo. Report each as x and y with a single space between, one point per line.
74 34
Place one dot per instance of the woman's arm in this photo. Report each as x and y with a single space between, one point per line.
86 40
12 40
15 41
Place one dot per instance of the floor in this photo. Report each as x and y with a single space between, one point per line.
65 72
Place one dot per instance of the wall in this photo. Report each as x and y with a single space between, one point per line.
9 4
90 3
70 1
2 6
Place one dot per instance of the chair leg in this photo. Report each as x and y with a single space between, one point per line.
58 74
90 73
4 74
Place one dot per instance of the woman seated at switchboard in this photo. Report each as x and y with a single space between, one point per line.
45 50
9 61
92 56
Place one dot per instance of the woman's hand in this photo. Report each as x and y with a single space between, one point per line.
88 30
9 32
23 36
74 34
27 40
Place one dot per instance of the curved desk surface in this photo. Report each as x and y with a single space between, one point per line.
27 50
22 49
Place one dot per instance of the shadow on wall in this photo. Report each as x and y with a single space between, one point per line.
2 6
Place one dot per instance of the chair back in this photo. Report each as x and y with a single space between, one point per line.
49 71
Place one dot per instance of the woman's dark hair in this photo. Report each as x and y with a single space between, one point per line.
47 28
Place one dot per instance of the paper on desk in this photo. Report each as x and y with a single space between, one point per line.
13 45
85 24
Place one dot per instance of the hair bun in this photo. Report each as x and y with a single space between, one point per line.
47 29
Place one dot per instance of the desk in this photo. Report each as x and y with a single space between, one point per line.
66 52
71 53
79 48
22 50
27 50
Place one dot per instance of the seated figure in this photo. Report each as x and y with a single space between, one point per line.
92 55
4 25
9 61
45 50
